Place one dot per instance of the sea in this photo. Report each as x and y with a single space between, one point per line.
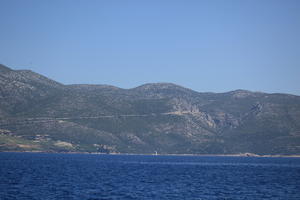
51 176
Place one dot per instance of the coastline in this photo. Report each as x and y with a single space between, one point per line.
140 154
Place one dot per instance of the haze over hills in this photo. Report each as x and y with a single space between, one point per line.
39 114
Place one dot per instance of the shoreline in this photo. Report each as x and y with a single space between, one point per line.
144 154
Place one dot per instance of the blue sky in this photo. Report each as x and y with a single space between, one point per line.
212 45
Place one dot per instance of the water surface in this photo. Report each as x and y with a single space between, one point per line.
84 176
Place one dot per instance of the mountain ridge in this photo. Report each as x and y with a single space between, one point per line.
5 68
37 113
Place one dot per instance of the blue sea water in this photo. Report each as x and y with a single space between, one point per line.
35 176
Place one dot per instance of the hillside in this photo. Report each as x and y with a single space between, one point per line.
39 114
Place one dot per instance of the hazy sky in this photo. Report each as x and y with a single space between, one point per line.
204 45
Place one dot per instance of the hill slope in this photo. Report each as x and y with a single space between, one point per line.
37 113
